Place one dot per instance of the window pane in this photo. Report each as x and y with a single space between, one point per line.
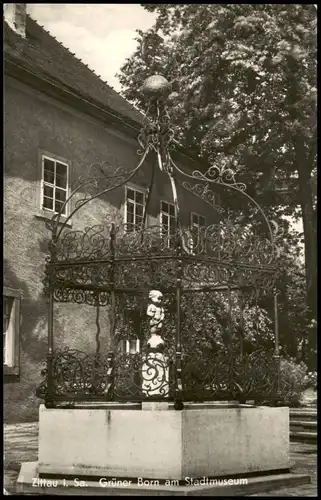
7 308
139 198
139 210
202 221
61 181
130 218
7 318
172 226
49 165
58 206
61 169
47 203
61 175
194 219
139 220
164 220
5 323
132 346
60 195
172 221
172 210
48 191
130 207
130 194
164 207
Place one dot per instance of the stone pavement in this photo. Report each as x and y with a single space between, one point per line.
21 445
304 456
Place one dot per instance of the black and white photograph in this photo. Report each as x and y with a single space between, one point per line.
160 249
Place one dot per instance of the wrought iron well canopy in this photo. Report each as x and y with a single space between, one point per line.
162 284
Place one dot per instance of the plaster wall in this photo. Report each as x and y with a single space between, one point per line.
36 124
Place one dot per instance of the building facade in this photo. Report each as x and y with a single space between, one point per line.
60 118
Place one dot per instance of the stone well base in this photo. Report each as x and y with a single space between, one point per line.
159 444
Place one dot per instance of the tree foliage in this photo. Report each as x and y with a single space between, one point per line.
243 95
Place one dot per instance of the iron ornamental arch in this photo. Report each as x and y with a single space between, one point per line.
162 284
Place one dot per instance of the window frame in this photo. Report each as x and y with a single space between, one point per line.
197 226
198 216
14 367
127 346
140 191
55 159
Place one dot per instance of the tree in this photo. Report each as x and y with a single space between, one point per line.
243 95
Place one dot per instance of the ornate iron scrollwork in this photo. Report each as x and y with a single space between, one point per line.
115 266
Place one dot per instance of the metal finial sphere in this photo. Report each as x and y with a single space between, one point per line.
155 86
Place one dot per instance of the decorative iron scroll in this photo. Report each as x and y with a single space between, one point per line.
78 296
75 374
217 175
70 285
143 376
230 376
78 375
156 133
92 243
204 192
218 254
207 275
224 241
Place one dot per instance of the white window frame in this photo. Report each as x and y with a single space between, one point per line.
44 183
198 226
167 232
12 333
136 190
127 346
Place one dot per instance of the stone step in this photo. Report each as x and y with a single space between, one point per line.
306 424
303 415
303 436
308 411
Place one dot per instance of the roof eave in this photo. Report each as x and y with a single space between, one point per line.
45 84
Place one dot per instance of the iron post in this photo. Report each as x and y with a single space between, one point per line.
276 339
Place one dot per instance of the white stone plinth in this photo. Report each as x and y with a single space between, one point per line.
162 444
29 483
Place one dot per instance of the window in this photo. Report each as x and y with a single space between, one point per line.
167 219
54 185
131 346
197 223
11 323
197 220
134 208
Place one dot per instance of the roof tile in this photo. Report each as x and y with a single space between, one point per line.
47 56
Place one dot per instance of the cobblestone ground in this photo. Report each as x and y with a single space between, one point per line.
21 445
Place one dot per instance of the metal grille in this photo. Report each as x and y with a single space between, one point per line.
164 290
